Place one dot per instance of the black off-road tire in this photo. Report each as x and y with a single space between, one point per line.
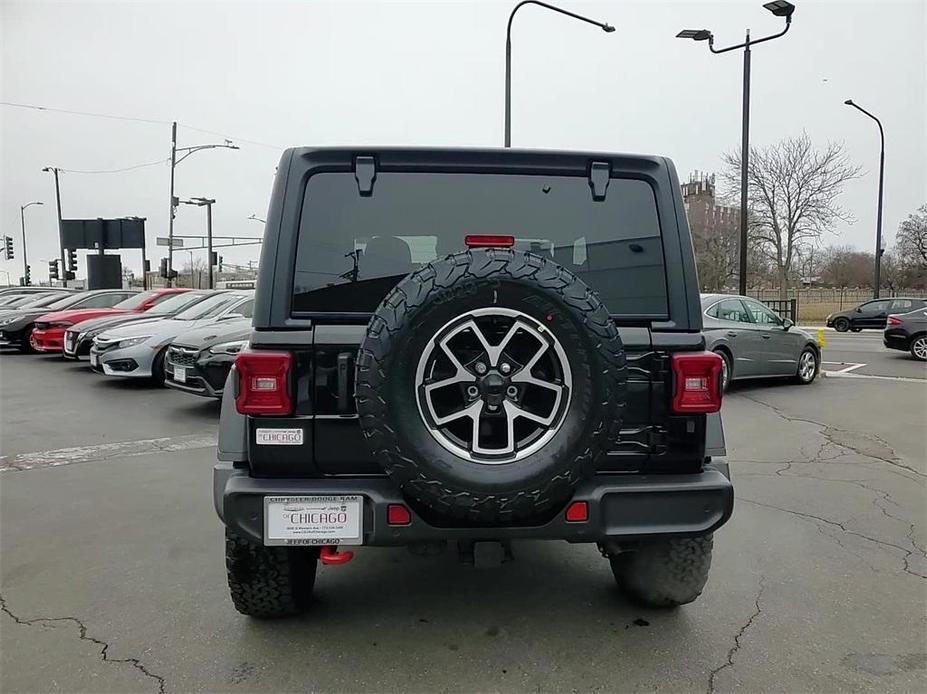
664 573
269 582
386 394
841 325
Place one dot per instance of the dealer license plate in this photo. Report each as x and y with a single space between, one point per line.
94 359
180 374
313 520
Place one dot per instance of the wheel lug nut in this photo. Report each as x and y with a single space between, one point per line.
480 368
472 391
505 367
512 392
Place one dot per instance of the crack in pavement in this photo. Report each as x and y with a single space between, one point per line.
837 524
84 636
830 432
739 635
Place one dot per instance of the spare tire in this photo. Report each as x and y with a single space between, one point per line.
489 384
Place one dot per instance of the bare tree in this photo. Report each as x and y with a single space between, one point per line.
911 239
793 191
846 266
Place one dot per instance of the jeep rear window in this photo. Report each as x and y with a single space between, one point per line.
352 250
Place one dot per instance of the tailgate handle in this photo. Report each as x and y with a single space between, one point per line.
344 363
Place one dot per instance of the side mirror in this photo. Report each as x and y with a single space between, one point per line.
859 309
787 323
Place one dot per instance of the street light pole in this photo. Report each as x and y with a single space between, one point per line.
208 202
877 272
22 219
780 8
187 151
54 170
508 55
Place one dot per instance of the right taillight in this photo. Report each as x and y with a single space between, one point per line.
894 321
697 383
264 383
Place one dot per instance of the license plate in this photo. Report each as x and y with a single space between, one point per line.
313 520
94 359
180 374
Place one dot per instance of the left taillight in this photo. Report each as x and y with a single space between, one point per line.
894 321
697 387
264 383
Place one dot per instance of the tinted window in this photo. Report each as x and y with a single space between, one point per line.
730 310
352 250
207 308
875 307
762 315
101 301
904 305
136 300
173 303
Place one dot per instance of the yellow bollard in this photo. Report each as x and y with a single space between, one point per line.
821 341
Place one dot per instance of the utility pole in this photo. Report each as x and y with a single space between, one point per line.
187 151
54 170
170 221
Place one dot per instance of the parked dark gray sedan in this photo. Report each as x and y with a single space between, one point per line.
755 342
908 332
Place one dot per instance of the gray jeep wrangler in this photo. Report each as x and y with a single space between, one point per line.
472 347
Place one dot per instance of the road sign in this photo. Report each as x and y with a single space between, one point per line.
164 241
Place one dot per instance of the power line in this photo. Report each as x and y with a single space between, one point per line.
110 116
83 113
110 171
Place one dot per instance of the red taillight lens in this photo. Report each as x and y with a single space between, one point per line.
488 241
697 388
263 383
397 514
894 321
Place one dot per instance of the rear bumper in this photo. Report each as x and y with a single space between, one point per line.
896 341
621 507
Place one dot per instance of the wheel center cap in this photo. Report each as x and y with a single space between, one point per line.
492 387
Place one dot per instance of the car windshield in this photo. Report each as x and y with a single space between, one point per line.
353 249
136 300
176 303
67 301
208 307
39 301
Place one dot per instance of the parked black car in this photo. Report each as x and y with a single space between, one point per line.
199 361
871 314
908 332
438 359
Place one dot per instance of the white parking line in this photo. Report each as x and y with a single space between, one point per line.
850 366
103 451
873 377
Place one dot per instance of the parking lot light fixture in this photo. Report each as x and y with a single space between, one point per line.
604 26
22 219
780 8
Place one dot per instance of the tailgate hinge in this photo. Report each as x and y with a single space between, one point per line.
599 173
365 173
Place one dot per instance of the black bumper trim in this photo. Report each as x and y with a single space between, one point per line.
620 507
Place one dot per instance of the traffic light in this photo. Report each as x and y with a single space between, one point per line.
162 270
72 260
68 275
53 270
28 278
7 248
214 258
147 265
219 263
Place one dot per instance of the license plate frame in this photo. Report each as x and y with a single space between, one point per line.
180 374
94 359
313 532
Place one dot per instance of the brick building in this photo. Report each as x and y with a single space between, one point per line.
714 232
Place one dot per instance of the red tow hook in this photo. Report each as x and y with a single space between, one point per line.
330 556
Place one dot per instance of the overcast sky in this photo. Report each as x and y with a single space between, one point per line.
429 73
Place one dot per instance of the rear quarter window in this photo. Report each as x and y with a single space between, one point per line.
352 250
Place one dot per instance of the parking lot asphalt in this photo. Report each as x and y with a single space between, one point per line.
863 354
112 577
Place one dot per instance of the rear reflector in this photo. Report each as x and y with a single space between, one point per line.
577 512
397 514
697 387
263 385
894 321
488 241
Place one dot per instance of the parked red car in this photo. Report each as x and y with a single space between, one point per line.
48 334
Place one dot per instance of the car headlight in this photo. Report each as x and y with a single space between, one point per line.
7 321
228 347
131 341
